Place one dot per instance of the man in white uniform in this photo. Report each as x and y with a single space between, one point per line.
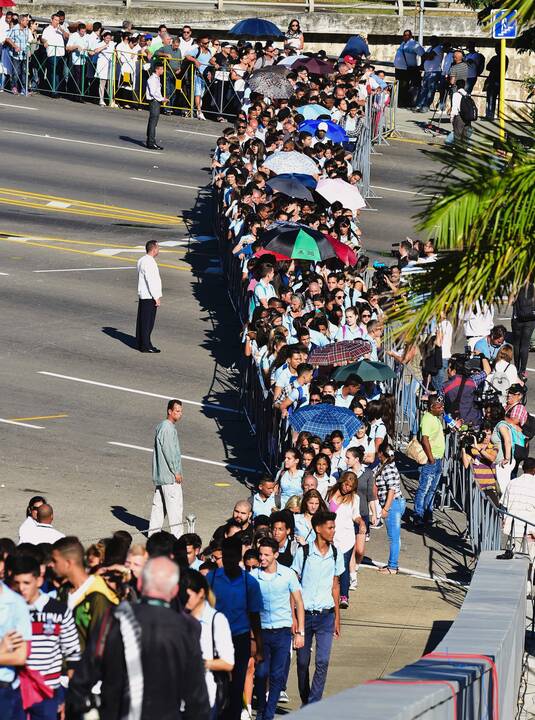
149 288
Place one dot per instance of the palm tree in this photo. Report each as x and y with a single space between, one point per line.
482 218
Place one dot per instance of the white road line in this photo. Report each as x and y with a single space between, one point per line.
5 274
83 142
230 466
58 204
128 267
194 132
207 406
405 192
21 424
19 107
530 369
161 182
111 252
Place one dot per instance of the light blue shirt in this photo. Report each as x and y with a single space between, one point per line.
236 598
303 529
317 580
290 485
263 507
276 588
14 615
485 347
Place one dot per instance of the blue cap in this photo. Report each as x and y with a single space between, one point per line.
148 36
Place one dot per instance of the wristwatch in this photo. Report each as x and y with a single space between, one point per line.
300 632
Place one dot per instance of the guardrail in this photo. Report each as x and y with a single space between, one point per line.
475 671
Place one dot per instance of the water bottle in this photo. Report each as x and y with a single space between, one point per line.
450 422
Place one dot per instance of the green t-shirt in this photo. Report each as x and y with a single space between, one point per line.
431 426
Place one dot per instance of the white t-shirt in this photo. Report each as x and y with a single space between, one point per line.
40 533
447 338
344 530
55 42
79 57
222 640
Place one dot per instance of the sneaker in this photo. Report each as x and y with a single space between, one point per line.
14 91
378 524
245 714
102 103
344 602
367 537
354 581
283 697
200 115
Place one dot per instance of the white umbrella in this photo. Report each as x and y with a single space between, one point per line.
291 162
291 59
338 189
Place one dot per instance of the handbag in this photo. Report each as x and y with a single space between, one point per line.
222 679
415 451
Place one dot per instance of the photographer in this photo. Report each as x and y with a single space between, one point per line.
459 392
480 452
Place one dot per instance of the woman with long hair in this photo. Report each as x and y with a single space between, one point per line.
289 476
293 37
310 504
343 500
215 630
392 502
320 467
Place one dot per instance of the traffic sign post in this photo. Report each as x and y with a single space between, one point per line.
504 27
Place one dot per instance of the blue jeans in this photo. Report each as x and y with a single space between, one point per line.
11 704
410 405
47 709
430 475
440 378
322 627
393 530
18 78
274 666
54 73
493 91
470 82
428 89
344 577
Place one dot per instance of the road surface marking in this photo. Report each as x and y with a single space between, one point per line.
194 132
530 369
221 484
110 252
40 417
21 424
182 268
161 182
207 406
4 274
58 204
124 267
19 107
84 142
229 466
405 192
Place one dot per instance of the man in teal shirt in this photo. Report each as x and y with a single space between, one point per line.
167 473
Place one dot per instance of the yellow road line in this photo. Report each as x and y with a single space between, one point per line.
414 141
39 417
184 268
92 213
103 244
83 203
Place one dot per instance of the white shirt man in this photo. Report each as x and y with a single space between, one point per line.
434 64
519 500
149 290
478 322
42 531
53 39
78 45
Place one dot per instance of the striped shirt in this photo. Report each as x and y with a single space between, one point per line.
54 638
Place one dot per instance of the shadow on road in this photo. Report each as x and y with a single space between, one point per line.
126 339
134 141
122 514
221 336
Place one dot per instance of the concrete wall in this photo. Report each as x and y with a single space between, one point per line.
323 30
491 623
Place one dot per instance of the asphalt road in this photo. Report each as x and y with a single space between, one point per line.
79 198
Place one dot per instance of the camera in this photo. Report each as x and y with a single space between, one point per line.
469 438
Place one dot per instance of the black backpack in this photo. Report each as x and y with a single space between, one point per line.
524 305
468 110
528 428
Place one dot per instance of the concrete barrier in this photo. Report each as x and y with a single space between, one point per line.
475 671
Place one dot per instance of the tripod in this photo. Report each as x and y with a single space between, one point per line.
435 128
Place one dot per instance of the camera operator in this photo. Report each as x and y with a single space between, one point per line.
479 451
489 345
460 392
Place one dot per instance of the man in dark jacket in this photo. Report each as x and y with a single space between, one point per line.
162 665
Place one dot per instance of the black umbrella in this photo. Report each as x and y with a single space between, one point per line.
290 186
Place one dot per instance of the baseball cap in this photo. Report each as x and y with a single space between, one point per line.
349 59
323 126
516 388
148 36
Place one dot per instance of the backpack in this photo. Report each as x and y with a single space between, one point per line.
468 110
306 552
501 382
524 305
528 428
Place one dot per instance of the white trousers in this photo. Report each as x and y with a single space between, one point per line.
167 500
503 475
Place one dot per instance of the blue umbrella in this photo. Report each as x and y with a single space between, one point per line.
334 132
355 47
313 111
306 180
255 28
323 419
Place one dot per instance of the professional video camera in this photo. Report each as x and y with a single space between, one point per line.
466 364
470 437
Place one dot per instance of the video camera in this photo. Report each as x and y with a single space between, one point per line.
467 364
469 438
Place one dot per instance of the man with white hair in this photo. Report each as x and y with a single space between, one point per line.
151 661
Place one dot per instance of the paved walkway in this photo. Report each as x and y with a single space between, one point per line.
393 620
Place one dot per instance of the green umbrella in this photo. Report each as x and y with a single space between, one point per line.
367 370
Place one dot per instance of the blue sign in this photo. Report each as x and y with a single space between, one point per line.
504 24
